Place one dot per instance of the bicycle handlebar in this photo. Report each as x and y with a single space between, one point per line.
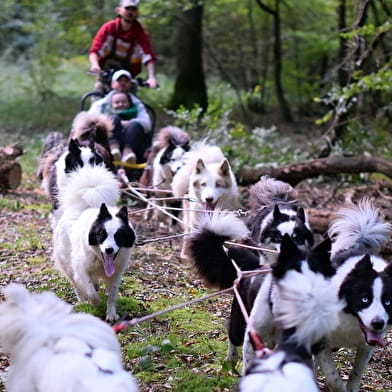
104 74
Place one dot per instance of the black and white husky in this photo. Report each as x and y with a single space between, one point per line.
58 165
87 145
306 311
364 282
212 260
55 349
275 211
93 239
171 145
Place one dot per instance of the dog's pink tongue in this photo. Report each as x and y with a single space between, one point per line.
210 206
374 338
108 264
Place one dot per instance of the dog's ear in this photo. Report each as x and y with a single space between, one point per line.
91 145
74 147
104 212
186 146
73 156
171 144
320 258
324 246
388 271
363 266
224 168
123 214
290 257
276 213
200 166
301 214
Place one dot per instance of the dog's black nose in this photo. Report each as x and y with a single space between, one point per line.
109 251
378 324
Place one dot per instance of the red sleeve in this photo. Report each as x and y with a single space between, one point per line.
145 42
100 37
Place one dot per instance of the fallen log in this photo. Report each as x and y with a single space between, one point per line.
10 152
10 176
10 170
294 173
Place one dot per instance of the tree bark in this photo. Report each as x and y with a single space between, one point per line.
296 172
190 87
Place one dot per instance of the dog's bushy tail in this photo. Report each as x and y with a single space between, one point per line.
89 187
359 227
175 134
207 253
92 126
307 302
268 191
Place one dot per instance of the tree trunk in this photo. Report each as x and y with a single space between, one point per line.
349 62
296 172
284 105
190 87
343 74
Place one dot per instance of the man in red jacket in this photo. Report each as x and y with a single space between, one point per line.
123 43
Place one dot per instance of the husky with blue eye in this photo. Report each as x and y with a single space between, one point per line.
306 309
212 260
364 282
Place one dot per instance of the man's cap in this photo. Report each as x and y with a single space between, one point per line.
121 72
129 3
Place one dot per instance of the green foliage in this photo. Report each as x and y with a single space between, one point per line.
22 113
12 205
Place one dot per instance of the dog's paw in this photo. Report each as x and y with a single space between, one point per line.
112 317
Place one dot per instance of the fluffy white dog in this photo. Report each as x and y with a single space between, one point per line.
53 349
93 239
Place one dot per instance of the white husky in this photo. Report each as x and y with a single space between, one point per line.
208 180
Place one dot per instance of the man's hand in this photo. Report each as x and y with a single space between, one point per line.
96 69
152 82
94 66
